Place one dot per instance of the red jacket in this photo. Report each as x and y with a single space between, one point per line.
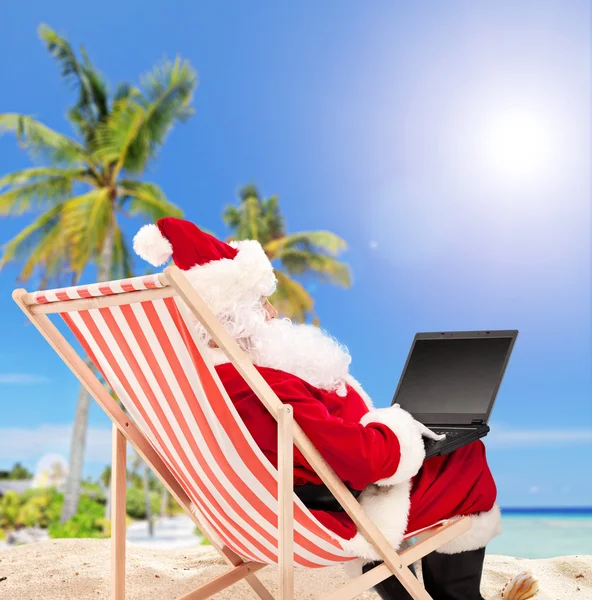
380 450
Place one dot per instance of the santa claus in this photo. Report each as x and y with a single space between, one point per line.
377 452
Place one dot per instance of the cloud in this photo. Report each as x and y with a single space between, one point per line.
534 489
373 245
23 444
21 379
501 437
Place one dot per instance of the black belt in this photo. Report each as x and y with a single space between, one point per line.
319 497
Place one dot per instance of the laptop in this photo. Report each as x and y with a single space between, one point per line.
450 382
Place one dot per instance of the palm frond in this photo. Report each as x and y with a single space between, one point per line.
85 221
147 199
112 138
231 217
324 267
252 226
49 257
249 191
80 123
97 88
38 194
291 298
21 246
168 89
122 260
246 220
310 241
272 216
43 141
254 218
168 92
62 51
137 126
125 91
92 105
32 174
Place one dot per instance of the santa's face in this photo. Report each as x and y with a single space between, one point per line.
270 309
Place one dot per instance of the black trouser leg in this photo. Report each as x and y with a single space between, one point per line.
391 588
453 576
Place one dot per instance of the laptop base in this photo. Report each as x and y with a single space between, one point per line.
456 437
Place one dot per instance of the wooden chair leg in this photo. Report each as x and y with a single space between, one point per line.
118 515
286 503
432 540
223 581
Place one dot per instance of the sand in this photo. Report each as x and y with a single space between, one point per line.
79 570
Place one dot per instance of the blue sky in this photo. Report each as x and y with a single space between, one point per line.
448 143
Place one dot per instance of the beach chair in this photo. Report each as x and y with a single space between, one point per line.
138 333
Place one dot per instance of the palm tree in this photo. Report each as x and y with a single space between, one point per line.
137 463
87 182
308 253
164 502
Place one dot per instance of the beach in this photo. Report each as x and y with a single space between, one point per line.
78 569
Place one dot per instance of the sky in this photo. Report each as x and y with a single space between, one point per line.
448 143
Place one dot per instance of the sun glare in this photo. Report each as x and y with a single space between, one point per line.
517 145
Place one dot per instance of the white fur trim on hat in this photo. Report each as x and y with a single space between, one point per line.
152 246
484 527
412 448
388 509
222 282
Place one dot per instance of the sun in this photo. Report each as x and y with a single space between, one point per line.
517 144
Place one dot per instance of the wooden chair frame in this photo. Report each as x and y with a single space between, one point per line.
289 434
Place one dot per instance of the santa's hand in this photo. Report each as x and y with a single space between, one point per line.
425 432
428 433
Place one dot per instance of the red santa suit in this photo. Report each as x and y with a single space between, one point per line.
379 451
367 446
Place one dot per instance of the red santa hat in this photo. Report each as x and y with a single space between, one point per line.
222 273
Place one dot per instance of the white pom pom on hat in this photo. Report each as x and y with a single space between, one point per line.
152 246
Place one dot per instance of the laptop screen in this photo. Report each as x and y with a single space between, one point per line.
453 380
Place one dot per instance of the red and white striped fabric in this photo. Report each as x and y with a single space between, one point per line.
94 290
149 355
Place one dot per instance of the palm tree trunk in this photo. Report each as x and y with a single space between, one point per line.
77 447
164 502
107 505
145 480
79 430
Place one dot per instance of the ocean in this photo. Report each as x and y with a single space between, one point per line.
544 533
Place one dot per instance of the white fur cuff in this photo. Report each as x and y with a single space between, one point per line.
412 448
484 527
388 509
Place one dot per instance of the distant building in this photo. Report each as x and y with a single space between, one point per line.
15 485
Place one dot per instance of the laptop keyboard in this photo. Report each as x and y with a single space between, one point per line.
452 433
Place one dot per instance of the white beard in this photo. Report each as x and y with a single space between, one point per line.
302 350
